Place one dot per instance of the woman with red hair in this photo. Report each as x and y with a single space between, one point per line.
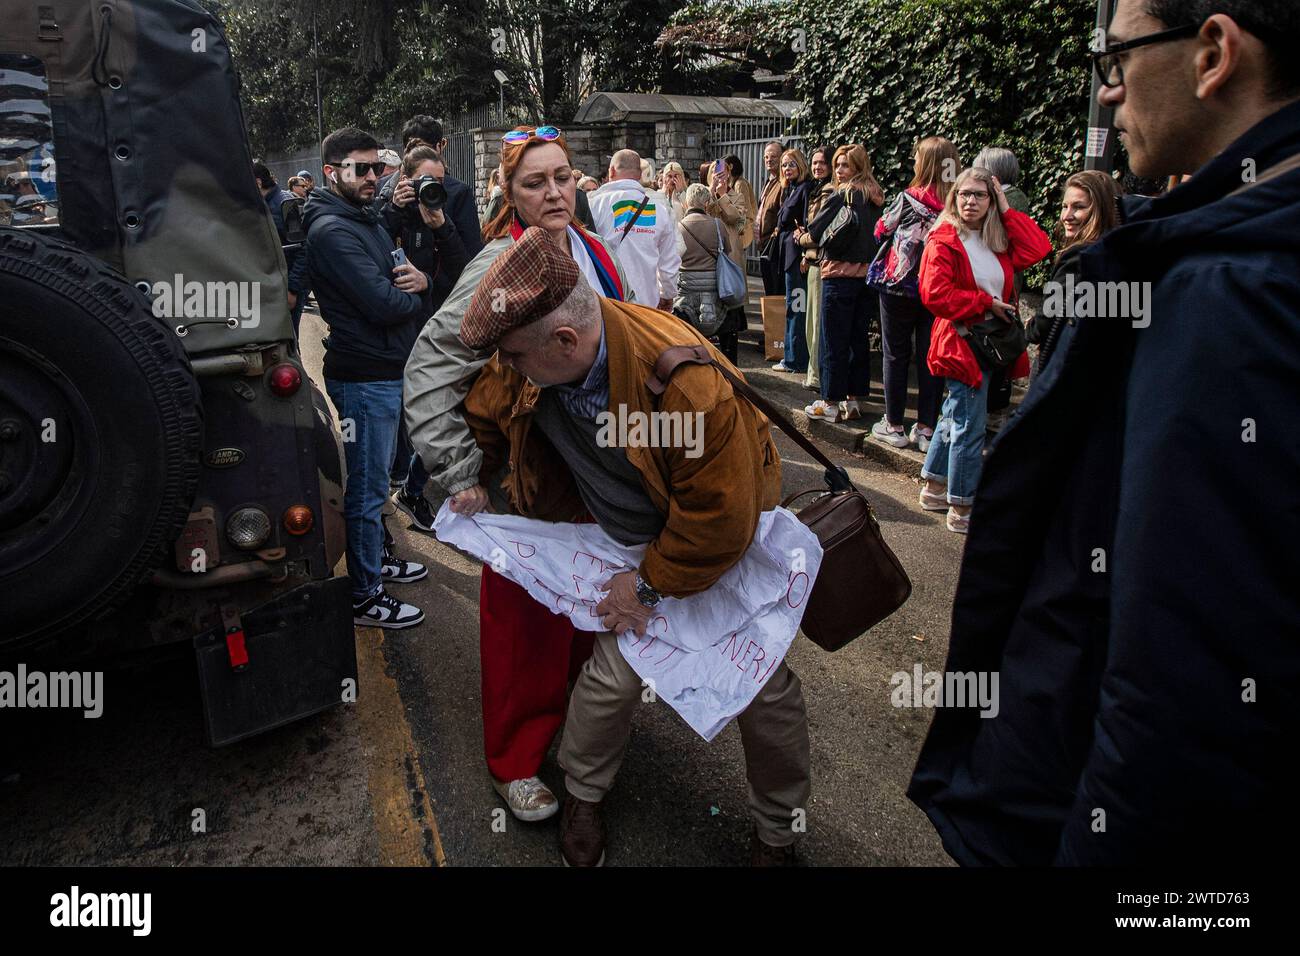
527 653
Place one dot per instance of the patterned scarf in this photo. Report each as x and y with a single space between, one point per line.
611 287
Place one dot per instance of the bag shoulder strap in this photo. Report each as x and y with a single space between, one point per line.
700 244
635 216
669 361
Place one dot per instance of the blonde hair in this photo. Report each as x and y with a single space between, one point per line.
800 162
935 156
993 232
862 181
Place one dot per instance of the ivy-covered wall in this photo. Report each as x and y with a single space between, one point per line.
1011 73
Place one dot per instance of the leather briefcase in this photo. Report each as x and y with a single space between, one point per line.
860 582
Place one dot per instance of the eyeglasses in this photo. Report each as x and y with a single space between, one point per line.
969 195
1107 62
546 134
361 169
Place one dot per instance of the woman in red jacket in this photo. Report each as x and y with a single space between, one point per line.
979 242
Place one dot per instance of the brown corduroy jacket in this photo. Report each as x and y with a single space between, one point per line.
711 502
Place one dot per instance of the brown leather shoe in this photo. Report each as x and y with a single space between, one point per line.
582 833
764 854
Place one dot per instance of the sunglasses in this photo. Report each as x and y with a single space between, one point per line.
546 134
360 169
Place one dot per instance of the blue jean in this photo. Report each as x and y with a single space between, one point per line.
407 466
373 408
847 305
796 336
956 453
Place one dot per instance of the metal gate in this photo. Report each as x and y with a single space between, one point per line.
746 138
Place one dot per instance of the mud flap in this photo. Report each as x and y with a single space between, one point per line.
278 662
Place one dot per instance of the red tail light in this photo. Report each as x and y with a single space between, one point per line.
284 380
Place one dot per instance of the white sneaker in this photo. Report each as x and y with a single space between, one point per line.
529 799
881 432
919 438
820 411
932 502
958 523
849 410
781 367
384 610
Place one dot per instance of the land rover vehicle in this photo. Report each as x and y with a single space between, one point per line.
168 472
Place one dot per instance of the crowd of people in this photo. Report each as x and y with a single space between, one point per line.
462 348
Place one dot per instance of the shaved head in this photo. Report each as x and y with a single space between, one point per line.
626 164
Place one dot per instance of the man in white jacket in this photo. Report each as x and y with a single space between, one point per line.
648 249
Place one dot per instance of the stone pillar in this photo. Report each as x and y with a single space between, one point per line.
589 147
487 153
682 141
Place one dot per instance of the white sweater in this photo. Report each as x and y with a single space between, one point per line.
648 253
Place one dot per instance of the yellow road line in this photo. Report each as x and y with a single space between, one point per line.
404 820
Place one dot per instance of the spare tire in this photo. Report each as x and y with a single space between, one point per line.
100 435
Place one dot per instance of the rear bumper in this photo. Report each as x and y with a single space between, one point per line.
292 657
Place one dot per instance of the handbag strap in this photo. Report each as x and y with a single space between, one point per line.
837 479
700 244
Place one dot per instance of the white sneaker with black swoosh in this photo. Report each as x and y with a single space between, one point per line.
384 610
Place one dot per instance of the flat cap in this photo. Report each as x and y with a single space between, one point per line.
529 280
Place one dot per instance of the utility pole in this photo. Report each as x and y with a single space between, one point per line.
320 113
1099 150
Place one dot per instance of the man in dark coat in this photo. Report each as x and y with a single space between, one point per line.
460 207
1130 570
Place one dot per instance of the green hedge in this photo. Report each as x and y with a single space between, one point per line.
1010 73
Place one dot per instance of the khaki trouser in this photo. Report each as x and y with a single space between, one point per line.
813 328
773 730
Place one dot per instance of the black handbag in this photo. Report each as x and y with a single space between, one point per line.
995 342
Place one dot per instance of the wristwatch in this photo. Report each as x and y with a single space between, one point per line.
647 595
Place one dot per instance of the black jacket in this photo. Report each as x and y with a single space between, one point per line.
1045 330
460 210
293 259
1130 567
373 324
859 245
793 212
438 252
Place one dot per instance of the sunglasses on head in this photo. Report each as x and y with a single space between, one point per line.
360 169
546 134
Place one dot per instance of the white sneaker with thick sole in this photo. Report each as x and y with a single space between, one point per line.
957 522
881 432
919 438
820 411
529 799
933 502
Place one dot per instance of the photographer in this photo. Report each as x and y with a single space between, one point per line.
460 208
432 243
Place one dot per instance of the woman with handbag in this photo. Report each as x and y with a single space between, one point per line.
822 189
967 282
700 242
905 325
727 202
844 230
796 180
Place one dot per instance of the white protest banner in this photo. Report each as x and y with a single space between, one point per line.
707 654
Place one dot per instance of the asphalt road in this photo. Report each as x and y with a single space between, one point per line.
399 777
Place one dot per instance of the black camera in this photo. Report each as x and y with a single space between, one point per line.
429 193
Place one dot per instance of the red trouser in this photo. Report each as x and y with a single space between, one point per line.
528 655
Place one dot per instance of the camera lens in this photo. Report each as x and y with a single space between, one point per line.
430 193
